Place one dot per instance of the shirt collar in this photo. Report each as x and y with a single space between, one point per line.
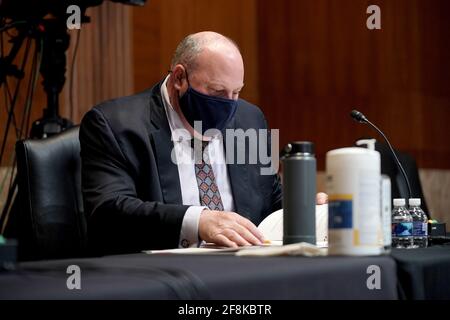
179 132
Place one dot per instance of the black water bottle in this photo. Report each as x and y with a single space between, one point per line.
299 193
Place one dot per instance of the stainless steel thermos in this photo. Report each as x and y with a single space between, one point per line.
299 193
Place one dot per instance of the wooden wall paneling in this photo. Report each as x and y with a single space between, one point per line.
160 25
103 63
327 62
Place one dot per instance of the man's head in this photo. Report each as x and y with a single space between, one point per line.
207 74
212 63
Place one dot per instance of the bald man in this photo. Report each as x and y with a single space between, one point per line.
145 187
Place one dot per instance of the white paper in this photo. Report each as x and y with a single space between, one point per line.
295 249
272 226
272 229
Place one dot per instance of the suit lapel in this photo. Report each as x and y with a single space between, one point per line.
162 145
238 174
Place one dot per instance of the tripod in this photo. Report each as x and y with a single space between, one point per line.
55 40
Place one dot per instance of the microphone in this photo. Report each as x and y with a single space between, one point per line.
358 116
361 118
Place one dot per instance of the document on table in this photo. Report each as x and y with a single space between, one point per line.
272 229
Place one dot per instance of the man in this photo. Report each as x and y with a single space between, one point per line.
140 189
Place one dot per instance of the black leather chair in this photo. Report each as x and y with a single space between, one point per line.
51 222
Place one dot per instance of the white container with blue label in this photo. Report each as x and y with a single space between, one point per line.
353 187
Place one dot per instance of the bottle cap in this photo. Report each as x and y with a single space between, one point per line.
298 147
399 202
414 202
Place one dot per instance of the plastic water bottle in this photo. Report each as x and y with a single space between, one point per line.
420 223
402 225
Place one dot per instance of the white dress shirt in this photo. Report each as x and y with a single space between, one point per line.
183 155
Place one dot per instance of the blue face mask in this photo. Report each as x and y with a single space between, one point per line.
214 112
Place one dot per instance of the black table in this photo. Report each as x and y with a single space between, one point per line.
424 273
141 276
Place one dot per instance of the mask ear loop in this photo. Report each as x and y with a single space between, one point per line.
187 75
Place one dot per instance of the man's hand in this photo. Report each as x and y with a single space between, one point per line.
321 198
228 229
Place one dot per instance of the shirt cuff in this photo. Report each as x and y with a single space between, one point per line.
189 237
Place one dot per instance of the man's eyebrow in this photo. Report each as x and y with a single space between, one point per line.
215 86
219 87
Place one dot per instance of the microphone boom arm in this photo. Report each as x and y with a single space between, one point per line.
358 116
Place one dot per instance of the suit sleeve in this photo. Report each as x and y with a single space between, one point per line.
276 196
118 221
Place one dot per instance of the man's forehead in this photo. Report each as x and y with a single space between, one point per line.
218 55
220 69
216 79
221 85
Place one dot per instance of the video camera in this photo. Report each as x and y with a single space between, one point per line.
45 21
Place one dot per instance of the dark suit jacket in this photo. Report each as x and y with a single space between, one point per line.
131 187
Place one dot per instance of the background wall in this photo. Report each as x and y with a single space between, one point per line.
308 63
328 62
159 26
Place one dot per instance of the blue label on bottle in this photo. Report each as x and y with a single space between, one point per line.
420 229
402 229
340 214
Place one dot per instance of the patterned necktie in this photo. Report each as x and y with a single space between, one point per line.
206 181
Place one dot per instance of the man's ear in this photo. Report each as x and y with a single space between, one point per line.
179 76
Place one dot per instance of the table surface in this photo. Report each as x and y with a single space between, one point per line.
424 273
221 276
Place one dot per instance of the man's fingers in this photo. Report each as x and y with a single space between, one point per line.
235 237
246 234
251 227
228 229
224 241
321 198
